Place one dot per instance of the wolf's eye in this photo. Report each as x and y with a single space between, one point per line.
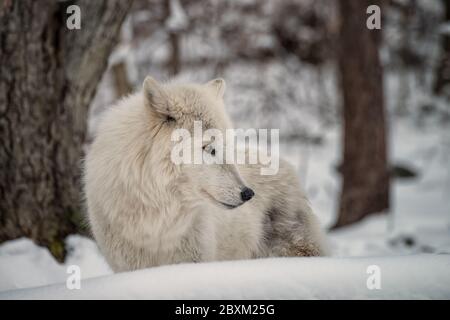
209 149
170 119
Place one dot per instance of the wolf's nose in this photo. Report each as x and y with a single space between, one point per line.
247 194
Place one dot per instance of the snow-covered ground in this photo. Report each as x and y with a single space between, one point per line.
410 277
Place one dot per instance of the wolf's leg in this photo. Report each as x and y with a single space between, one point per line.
294 234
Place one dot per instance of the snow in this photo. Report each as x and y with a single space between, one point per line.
412 277
177 20
24 264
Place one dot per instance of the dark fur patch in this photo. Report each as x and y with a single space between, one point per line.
269 220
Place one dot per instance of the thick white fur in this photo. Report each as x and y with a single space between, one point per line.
146 211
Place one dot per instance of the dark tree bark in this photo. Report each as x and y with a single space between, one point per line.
48 77
365 188
442 81
121 82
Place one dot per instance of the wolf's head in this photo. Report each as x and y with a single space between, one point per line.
183 107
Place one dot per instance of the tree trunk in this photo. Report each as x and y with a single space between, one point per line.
174 62
122 85
442 81
365 187
48 77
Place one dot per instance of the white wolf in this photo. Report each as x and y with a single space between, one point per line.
146 211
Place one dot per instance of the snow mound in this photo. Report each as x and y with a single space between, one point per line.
423 276
24 264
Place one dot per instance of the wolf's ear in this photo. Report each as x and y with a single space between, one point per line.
217 86
155 95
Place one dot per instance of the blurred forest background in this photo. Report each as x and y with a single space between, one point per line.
359 111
